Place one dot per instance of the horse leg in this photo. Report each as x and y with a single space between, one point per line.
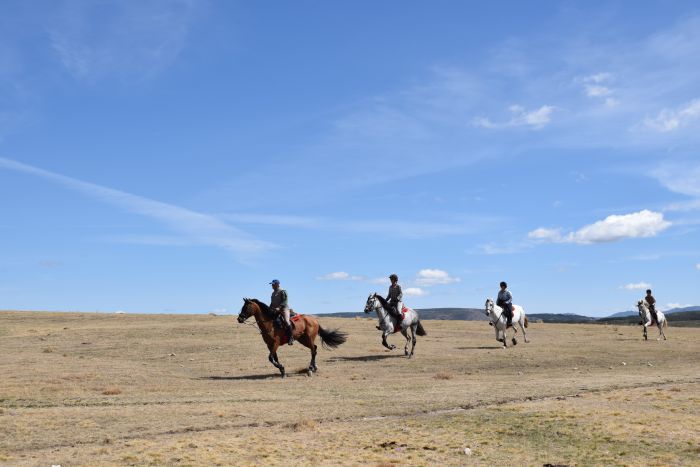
408 339
505 336
661 332
385 343
275 361
522 328
645 332
413 339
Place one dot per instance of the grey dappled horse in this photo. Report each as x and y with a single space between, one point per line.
645 314
495 314
389 324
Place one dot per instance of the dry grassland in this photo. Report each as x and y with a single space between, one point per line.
95 389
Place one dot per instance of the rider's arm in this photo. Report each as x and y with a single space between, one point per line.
283 298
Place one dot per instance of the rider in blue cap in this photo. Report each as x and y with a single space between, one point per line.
278 304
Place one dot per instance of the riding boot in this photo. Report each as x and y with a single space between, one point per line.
290 333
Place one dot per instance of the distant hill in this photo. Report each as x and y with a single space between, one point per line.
675 318
622 314
681 310
464 314
560 318
687 316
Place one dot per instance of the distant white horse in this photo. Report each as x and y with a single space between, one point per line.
499 321
645 314
389 325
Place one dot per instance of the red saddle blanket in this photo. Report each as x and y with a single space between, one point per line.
295 318
404 310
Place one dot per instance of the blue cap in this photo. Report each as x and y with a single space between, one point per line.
274 281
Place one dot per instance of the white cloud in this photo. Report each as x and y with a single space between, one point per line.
637 286
535 119
613 228
339 276
697 266
549 235
414 292
670 120
197 227
428 277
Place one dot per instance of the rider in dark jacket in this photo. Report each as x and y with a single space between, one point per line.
652 306
505 301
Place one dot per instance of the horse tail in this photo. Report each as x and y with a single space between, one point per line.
420 331
331 339
526 322
666 322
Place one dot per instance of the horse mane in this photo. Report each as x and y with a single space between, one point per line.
382 300
263 306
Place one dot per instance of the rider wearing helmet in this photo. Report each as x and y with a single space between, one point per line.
652 306
279 305
505 301
395 297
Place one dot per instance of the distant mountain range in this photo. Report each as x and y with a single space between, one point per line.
686 316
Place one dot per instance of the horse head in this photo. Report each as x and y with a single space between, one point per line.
247 310
370 305
488 306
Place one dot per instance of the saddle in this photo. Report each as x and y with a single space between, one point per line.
278 321
404 310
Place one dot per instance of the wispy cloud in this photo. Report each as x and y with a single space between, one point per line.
597 86
671 306
129 40
697 266
535 119
429 277
387 227
340 276
613 228
636 286
674 119
197 227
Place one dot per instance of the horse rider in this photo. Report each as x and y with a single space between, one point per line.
395 298
652 306
505 301
279 305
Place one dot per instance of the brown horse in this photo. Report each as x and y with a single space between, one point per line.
306 328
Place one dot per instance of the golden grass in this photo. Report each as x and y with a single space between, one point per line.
198 390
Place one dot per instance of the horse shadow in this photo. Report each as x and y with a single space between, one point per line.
240 378
479 347
365 358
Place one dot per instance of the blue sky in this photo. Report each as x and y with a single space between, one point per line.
177 156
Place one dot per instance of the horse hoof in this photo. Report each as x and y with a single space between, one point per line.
393 347
515 342
309 372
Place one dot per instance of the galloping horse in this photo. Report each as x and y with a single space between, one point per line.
306 328
495 314
645 314
390 325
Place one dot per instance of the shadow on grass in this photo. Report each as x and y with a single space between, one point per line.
480 347
240 378
366 358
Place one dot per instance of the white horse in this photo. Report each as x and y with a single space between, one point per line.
388 324
645 314
499 321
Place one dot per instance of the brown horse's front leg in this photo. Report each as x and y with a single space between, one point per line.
275 361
